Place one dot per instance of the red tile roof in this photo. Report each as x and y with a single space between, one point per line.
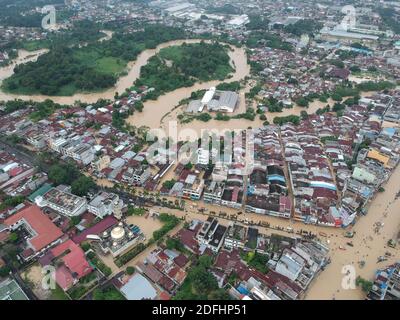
15 171
181 260
164 296
74 260
187 237
64 278
47 231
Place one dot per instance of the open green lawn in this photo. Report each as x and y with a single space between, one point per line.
58 294
110 65
34 45
174 53
94 59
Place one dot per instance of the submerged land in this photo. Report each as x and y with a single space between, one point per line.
315 111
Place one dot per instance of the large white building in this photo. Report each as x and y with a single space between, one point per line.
215 100
62 202
105 204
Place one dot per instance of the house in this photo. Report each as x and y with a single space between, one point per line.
213 192
138 175
104 204
235 236
188 239
212 234
193 187
74 264
387 284
41 233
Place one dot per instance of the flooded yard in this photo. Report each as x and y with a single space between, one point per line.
147 225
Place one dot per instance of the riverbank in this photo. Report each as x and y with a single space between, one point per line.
193 130
237 55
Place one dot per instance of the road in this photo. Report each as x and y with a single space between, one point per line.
24 156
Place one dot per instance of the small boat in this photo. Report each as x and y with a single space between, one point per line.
349 234
342 248
392 243
323 234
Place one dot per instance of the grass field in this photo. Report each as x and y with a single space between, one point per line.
58 294
92 58
34 45
174 53
110 65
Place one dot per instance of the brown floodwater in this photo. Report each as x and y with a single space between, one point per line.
368 246
238 57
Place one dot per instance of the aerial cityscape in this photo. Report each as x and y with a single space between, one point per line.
199 150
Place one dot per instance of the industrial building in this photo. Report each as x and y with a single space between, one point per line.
215 100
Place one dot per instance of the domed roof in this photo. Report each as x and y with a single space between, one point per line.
117 233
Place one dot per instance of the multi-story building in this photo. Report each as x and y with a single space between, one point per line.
213 192
62 202
40 232
212 234
387 284
193 187
235 237
106 204
137 175
83 153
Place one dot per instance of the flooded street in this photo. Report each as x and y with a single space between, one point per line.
368 246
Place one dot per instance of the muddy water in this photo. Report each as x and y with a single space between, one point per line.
155 111
193 130
108 35
238 57
24 56
368 246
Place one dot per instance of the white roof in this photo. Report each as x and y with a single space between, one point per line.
104 110
119 148
138 288
10 166
208 95
116 163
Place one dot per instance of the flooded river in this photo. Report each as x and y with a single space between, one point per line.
368 245
238 57
24 56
